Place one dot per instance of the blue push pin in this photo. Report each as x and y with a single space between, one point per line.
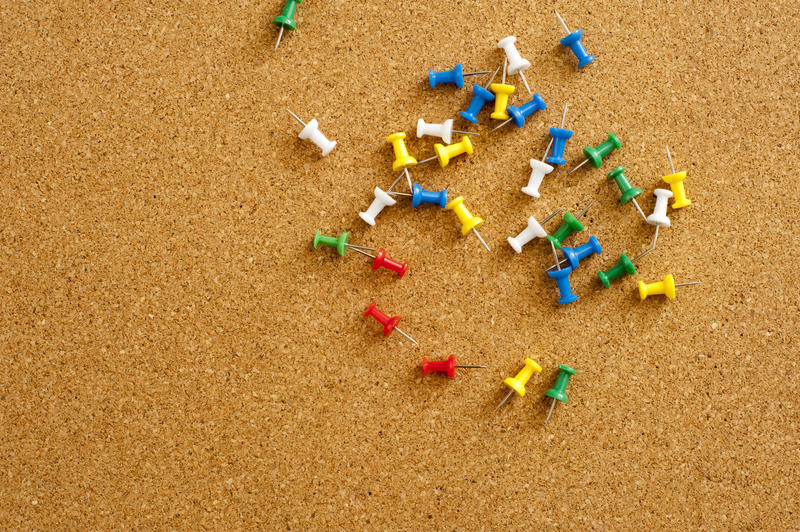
562 280
576 255
558 140
519 114
481 96
420 196
573 42
455 76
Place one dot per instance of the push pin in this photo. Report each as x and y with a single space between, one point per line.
419 196
480 97
629 192
596 155
311 131
675 182
444 130
558 140
573 42
518 382
445 153
659 217
534 230
519 114
501 92
570 225
516 64
665 287
561 277
559 390
538 171
455 76
389 324
341 243
285 21
468 222
622 267
402 159
574 256
444 366
382 199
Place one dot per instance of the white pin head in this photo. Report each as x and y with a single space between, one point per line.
516 63
534 230
382 199
312 133
444 130
659 216
538 171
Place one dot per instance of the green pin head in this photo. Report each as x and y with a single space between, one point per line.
625 265
559 390
286 19
628 191
595 155
570 225
340 242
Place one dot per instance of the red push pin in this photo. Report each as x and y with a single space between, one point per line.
444 366
389 324
382 261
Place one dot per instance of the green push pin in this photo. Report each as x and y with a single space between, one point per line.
622 267
285 21
570 225
629 192
558 391
341 243
596 155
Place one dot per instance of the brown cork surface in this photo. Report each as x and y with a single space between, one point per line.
176 355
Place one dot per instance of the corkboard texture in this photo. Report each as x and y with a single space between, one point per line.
176 355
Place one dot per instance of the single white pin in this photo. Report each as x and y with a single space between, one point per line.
311 132
659 217
538 171
534 230
516 63
382 199
444 130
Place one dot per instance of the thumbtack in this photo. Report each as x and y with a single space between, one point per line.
419 196
559 391
501 92
285 21
570 225
538 171
561 277
468 222
574 256
444 130
311 131
382 199
445 153
341 243
558 139
675 181
622 267
516 64
659 217
389 324
518 382
629 192
519 114
401 157
533 230
480 97
444 366
665 287
454 76
596 155
573 42
382 261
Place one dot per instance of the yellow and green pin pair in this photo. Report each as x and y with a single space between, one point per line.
558 392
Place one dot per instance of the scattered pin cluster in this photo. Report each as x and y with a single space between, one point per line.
497 96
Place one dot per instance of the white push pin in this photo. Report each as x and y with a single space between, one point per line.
444 130
534 230
659 217
516 63
382 199
311 131
538 171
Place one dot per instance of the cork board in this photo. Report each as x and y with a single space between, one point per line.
176 355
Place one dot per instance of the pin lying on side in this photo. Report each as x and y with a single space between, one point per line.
533 230
444 366
454 76
559 391
444 130
285 21
570 225
341 243
518 382
516 63
573 42
665 287
389 324
311 132
468 221
675 181
623 266
596 155
628 192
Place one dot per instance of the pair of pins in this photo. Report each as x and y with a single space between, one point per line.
444 153
539 169
342 244
558 392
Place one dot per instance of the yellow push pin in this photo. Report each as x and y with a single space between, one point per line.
445 153
402 159
468 222
501 92
517 383
675 181
665 287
